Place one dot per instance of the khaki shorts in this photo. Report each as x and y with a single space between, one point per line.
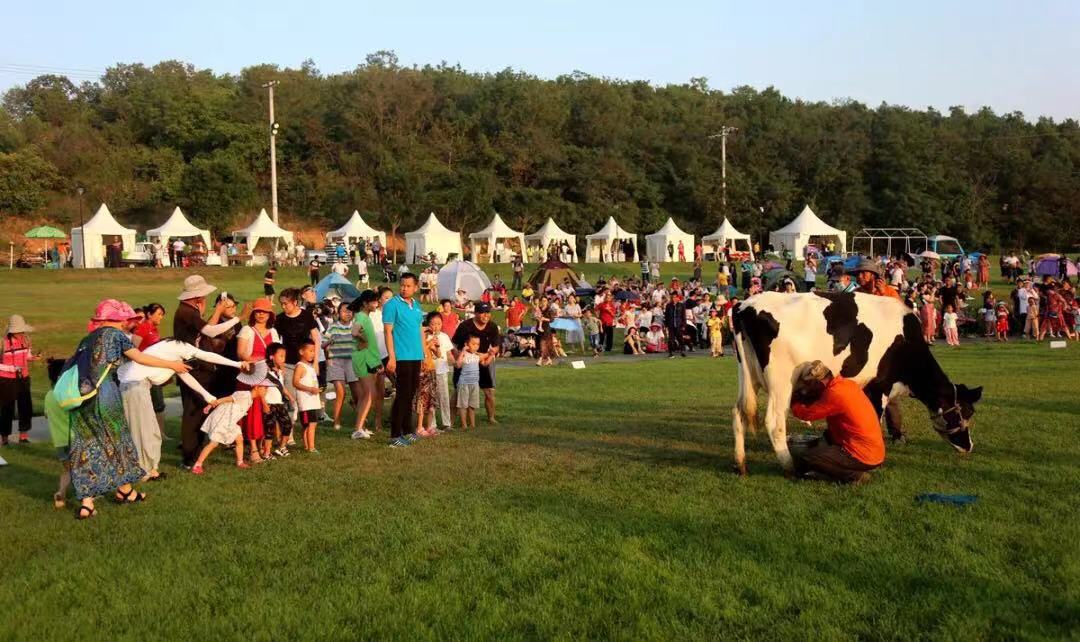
468 395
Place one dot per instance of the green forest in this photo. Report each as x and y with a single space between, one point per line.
397 142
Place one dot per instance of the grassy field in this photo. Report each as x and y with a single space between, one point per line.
601 507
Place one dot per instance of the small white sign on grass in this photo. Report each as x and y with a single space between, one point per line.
1057 344
577 365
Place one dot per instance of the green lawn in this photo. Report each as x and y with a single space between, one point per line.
602 506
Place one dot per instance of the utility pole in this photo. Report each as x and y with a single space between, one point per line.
273 152
725 130
82 232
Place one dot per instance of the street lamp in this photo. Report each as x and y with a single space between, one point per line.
82 232
273 151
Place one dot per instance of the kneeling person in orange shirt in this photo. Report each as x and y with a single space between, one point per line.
852 445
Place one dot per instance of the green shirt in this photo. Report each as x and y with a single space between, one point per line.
59 422
367 358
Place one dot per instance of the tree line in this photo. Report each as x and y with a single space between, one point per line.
397 142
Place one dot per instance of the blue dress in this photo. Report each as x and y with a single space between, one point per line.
102 453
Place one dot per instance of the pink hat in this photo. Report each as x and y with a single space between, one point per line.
113 310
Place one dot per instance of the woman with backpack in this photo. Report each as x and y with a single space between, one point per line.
101 452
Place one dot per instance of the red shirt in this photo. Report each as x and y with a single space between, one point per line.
148 332
450 322
853 424
606 312
514 315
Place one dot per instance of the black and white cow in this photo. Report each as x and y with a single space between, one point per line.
875 341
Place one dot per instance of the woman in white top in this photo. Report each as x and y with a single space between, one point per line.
573 311
136 380
385 294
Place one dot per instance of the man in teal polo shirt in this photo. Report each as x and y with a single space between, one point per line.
402 322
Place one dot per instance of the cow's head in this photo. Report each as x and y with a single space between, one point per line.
954 416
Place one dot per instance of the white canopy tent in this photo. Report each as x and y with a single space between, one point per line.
656 243
547 233
101 230
430 237
262 228
177 226
805 229
496 243
727 236
462 275
354 230
598 245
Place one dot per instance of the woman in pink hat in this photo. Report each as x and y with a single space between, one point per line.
102 454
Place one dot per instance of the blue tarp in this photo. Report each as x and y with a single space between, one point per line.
334 283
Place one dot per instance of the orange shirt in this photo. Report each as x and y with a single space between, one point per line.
853 424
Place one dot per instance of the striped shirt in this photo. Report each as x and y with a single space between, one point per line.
340 341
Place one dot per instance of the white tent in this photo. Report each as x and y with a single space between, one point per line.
432 236
354 230
101 230
806 228
547 233
462 275
598 245
496 241
656 244
727 236
261 228
177 226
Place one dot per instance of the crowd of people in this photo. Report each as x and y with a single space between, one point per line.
257 381
260 380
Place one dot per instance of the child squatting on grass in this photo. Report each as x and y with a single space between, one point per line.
468 388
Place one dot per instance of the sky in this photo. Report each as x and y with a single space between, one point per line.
1010 56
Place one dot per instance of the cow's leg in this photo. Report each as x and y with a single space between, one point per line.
776 423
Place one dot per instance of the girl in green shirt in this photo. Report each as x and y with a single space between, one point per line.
365 358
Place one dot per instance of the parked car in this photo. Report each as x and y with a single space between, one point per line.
947 247
324 255
141 256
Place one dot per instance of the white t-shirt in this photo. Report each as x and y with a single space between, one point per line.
306 400
809 273
340 268
897 276
442 366
361 267
380 335
1022 300
948 320
178 246
248 334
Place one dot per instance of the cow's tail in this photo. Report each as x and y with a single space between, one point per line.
750 380
744 414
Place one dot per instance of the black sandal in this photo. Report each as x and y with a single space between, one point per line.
90 512
126 498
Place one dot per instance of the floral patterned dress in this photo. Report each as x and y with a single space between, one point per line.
102 453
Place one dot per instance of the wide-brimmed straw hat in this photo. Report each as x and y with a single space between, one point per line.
113 310
195 287
866 265
17 324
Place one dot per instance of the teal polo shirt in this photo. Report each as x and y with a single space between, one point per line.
407 320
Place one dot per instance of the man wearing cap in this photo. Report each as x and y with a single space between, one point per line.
852 444
869 280
482 327
189 326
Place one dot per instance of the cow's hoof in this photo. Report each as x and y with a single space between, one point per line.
740 470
